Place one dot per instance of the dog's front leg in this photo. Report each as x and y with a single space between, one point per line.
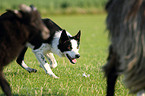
50 57
39 55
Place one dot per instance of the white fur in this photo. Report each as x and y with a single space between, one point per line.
47 50
141 93
24 65
39 55
55 43
74 50
50 57
25 8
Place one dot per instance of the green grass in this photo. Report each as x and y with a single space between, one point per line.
93 50
58 6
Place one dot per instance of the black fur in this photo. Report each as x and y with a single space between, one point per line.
64 42
15 30
37 42
125 22
53 27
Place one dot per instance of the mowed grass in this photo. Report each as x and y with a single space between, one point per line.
93 50
58 6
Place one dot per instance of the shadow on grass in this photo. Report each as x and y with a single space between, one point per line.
44 93
54 93
15 73
36 95
13 95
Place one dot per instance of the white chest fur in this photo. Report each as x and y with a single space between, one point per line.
53 47
44 48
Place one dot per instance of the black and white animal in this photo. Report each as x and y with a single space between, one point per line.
60 43
17 27
126 25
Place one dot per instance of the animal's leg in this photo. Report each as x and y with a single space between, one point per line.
23 65
111 80
20 61
44 64
5 85
111 72
50 57
141 93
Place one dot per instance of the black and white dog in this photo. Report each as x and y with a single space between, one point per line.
60 43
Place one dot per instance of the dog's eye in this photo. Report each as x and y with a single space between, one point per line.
68 47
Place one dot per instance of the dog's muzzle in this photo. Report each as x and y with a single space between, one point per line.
73 60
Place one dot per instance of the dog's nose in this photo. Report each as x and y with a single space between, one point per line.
77 56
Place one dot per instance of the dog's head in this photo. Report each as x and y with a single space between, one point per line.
29 16
69 46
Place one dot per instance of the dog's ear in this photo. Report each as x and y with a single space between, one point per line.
77 36
16 12
33 8
25 8
63 37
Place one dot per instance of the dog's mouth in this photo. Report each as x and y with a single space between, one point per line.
72 60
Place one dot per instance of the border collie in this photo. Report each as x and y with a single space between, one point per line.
60 43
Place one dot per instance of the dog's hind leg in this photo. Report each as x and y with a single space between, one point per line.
111 80
20 61
111 72
5 85
40 57
50 57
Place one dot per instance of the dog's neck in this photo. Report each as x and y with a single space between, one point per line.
55 43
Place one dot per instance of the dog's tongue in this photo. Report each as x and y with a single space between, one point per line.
74 60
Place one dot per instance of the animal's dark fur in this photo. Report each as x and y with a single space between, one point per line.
52 29
126 25
16 28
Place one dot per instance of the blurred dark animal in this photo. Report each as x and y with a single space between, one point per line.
16 29
126 25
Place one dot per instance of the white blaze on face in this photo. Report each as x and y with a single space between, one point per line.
74 46
74 51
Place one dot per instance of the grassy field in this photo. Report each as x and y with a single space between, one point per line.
58 6
93 52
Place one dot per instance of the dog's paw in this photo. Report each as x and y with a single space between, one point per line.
52 75
30 70
56 77
53 65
